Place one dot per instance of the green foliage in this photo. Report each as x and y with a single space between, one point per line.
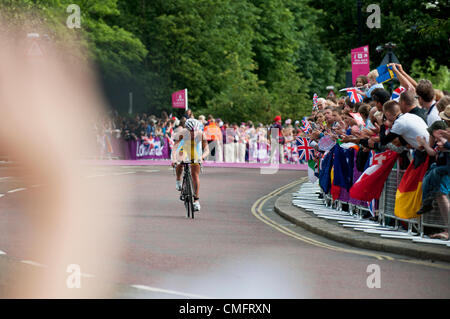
240 59
438 75
419 28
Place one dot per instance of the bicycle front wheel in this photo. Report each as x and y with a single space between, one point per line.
188 195
191 196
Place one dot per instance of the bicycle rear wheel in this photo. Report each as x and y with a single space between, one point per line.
188 194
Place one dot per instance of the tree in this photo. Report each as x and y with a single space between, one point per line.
402 22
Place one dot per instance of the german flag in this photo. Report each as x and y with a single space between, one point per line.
408 198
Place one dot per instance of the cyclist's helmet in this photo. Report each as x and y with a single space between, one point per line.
192 125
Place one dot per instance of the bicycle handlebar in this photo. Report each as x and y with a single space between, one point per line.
187 162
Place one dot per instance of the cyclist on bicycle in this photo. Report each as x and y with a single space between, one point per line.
190 144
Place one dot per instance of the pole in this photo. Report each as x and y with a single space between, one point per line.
130 103
391 84
186 95
359 15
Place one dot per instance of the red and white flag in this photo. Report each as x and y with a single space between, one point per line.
370 184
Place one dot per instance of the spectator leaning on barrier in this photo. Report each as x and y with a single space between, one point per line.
425 93
408 126
321 103
438 95
341 102
329 118
364 110
372 118
436 183
348 105
407 105
380 96
443 102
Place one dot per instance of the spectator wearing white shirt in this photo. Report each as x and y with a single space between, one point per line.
426 93
408 126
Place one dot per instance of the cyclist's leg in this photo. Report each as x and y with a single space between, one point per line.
195 169
179 171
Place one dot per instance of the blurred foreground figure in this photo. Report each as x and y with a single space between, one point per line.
47 103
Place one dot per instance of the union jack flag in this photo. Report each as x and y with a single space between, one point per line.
305 151
354 96
306 127
396 94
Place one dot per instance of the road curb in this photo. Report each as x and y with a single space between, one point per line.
332 230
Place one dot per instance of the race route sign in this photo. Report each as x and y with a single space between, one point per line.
180 99
360 62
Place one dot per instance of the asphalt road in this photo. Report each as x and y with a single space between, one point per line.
227 251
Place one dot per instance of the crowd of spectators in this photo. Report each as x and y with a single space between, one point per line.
414 124
233 141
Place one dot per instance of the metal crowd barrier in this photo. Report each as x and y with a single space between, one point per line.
387 203
386 208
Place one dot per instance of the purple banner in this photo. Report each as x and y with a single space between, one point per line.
157 148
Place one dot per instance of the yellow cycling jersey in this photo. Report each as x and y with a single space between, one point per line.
190 148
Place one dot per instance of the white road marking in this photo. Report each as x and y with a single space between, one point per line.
170 292
33 263
152 171
113 174
16 190
2 253
5 178
124 173
1 195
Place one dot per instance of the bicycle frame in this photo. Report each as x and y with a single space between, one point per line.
187 189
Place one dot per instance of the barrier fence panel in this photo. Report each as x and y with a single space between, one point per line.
432 218
386 207
388 203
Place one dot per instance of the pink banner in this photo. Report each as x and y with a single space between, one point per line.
360 62
180 99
